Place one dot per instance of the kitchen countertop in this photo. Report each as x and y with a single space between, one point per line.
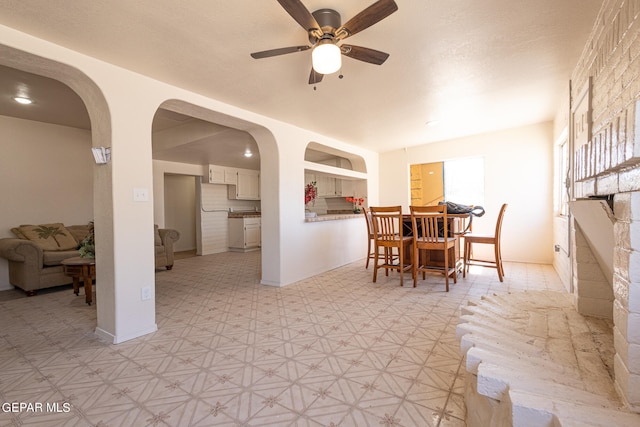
319 218
333 217
249 214
339 211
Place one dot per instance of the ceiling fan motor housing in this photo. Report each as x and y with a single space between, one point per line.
329 21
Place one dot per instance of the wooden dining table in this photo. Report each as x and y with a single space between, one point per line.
456 224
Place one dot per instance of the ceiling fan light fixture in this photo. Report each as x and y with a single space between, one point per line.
326 57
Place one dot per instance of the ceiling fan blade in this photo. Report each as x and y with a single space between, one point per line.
301 14
279 51
315 77
371 15
365 54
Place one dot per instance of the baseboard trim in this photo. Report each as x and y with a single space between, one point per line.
117 339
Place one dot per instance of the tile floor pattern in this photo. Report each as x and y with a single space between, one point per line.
332 350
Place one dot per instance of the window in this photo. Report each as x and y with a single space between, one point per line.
562 179
464 181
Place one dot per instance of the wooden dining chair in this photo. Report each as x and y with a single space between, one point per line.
431 233
471 238
370 242
392 248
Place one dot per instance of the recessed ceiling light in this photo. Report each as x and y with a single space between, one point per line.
22 100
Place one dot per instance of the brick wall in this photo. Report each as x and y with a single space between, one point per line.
605 113
607 162
626 288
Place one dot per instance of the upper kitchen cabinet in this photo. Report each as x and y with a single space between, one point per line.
222 175
328 186
247 185
243 184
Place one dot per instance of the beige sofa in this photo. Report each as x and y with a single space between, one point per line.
35 255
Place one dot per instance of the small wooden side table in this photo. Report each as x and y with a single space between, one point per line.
85 268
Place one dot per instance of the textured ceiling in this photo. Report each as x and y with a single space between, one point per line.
474 66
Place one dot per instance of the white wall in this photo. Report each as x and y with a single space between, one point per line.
518 171
45 176
122 105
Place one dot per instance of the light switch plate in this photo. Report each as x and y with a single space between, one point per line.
140 194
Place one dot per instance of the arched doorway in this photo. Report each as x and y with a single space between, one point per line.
100 135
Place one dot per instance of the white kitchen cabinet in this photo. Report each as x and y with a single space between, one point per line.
253 233
338 187
328 186
247 186
230 176
216 174
222 175
347 187
244 234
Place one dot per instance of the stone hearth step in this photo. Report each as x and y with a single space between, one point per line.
531 360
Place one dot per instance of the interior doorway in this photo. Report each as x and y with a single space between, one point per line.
427 184
180 210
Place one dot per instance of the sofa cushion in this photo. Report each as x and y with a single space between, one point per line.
18 233
56 257
50 237
156 236
79 232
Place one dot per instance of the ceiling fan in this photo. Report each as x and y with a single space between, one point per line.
326 31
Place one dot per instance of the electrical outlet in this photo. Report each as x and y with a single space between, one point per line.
145 293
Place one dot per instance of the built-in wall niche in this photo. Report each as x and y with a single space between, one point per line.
339 176
324 155
328 159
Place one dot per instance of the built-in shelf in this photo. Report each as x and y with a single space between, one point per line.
333 171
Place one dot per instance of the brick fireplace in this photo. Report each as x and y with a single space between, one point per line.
531 359
611 288
604 123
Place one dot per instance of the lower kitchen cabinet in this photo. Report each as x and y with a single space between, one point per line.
245 234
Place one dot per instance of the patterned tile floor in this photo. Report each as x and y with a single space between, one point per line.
332 350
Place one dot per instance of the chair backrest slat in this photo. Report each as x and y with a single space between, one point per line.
427 221
387 222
